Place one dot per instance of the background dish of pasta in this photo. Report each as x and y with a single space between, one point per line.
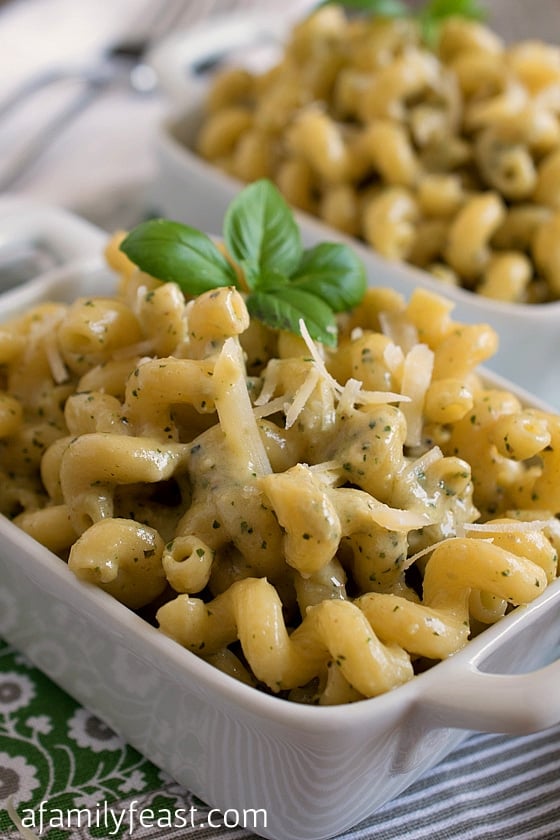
227 717
437 147
190 182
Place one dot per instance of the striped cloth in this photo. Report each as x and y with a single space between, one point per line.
492 787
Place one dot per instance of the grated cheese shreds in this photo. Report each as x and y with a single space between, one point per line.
396 519
141 348
424 461
486 527
399 329
410 561
508 527
318 373
417 375
319 362
329 473
393 356
353 387
59 371
323 466
429 548
45 331
271 407
301 396
551 523
380 397
349 396
353 394
269 385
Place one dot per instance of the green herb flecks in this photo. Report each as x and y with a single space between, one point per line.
284 282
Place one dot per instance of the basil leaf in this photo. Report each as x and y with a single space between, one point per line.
251 273
333 272
441 9
272 280
430 14
378 8
174 252
283 307
285 284
260 231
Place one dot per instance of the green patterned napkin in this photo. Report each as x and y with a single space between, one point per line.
69 776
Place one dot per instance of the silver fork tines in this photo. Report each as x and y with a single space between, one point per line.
122 62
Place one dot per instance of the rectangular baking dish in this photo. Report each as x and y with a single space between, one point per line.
302 773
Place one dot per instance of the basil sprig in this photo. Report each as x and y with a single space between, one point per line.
430 15
283 282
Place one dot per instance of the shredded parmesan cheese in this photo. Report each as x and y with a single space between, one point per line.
269 385
141 293
301 396
141 348
352 392
316 356
422 463
395 519
59 371
429 548
507 527
398 328
550 522
348 395
482 528
279 404
417 375
422 553
328 472
393 356
44 331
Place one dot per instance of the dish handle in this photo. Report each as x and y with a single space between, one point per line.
485 702
35 238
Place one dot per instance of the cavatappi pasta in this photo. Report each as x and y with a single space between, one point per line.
447 157
319 524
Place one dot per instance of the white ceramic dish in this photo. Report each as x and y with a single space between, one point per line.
36 237
189 189
309 772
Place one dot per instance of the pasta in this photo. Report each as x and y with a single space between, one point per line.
444 156
320 523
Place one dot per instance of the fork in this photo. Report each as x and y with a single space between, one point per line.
123 61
